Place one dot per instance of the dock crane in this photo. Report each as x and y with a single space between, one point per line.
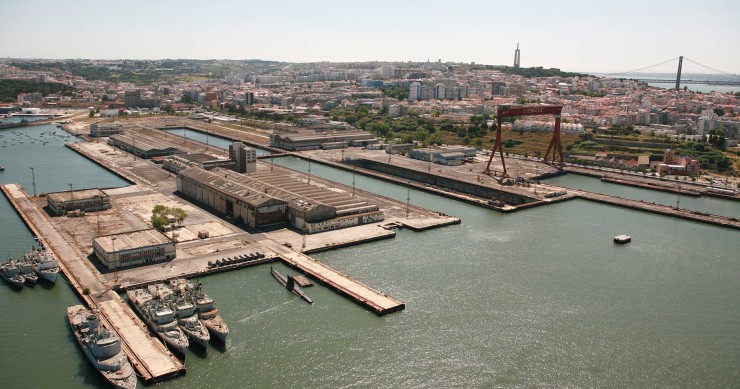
509 111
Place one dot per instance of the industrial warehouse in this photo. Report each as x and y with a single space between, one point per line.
143 146
301 138
264 200
87 200
133 248
105 129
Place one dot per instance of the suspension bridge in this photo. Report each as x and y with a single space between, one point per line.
697 75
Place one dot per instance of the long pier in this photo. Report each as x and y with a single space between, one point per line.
682 213
376 301
151 359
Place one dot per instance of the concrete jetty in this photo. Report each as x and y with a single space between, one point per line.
569 193
150 357
364 295
703 217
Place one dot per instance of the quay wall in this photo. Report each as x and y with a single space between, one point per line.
141 362
666 210
445 182
225 137
100 163
651 186
418 186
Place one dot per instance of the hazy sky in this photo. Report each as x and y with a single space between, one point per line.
572 35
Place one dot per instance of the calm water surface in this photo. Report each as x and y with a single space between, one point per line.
536 298
713 205
216 141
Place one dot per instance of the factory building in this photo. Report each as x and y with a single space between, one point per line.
143 146
245 157
133 248
175 163
444 155
273 197
105 129
87 200
301 138
230 199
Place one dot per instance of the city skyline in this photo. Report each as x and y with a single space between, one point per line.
572 35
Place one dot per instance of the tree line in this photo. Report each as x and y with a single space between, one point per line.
9 89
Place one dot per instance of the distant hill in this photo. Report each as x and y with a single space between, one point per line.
538 71
9 89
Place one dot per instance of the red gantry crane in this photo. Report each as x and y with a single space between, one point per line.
509 111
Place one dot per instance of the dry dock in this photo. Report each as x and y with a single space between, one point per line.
364 295
150 358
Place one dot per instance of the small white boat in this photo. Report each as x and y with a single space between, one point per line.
622 239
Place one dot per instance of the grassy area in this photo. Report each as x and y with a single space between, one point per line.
531 142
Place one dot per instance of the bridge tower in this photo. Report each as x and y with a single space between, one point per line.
678 75
516 57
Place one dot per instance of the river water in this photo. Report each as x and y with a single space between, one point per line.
216 141
535 298
708 204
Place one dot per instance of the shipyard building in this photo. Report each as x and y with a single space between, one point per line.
245 157
105 129
293 138
143 146
444 155
175 163
88 200
133 248
272 199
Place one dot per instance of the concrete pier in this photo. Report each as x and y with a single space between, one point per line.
683 187
150 358
362 294
539 190
723 221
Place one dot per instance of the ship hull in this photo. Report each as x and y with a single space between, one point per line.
129 382
217 334
14 282
47 276
172 345
195 338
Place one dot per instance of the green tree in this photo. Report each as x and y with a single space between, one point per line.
179 215
159 221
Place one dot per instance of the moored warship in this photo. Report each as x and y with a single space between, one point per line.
44 265
159 318
10 272
204 305
101 347
184 312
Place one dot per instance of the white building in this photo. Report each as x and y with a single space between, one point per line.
414 91
105 129
133 248
245 157
439 91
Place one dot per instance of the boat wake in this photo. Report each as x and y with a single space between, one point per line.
248 318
